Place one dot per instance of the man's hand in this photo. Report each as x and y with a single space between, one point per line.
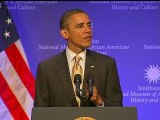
96 99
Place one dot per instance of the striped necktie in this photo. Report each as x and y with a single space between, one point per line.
77 69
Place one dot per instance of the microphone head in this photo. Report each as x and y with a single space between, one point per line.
90 83
90 77
77 77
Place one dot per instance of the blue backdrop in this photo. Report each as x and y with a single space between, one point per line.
128 31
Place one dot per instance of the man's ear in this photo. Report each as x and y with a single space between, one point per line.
64 33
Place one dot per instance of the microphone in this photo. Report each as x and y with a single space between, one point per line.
77 82
90 83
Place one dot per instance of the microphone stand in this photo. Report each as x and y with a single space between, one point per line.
83 99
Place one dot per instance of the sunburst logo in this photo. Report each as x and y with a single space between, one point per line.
152 74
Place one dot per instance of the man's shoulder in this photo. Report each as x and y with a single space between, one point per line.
52 59
102 59
99 55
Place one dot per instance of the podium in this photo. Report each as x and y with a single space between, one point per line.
72 113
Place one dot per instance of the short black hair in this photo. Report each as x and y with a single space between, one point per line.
64 18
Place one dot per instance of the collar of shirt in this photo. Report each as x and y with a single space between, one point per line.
71 55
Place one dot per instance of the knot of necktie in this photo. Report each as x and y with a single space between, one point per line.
77 58
77 69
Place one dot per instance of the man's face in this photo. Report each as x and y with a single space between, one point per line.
79 32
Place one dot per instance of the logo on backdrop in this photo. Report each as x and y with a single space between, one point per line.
84 118
152 74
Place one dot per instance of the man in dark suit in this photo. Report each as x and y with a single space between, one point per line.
53 81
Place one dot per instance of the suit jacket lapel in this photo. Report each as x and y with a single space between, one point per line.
64 74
